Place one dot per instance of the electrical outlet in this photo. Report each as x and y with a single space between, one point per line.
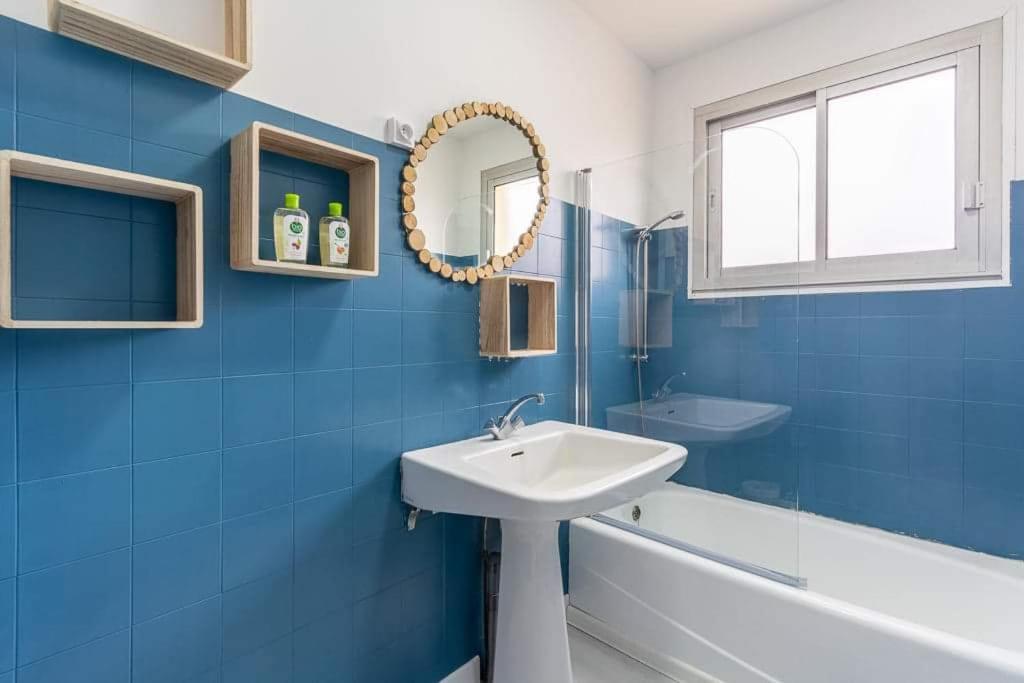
399 133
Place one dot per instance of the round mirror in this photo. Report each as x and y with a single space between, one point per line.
475 191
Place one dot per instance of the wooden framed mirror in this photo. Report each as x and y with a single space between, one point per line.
473 205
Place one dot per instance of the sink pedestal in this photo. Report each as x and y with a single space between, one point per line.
532 640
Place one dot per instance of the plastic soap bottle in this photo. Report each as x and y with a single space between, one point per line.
334 237
291 231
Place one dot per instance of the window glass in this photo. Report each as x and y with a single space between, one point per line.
768 185
891 168
512 201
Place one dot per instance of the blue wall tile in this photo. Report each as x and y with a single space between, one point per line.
323 584
174 111
323 462
322 648
7 38
379 339
257 477
62 358
72 142
257 408
178 354
256 340
7 433
240 112
6 129
175 571
104 659
176 495
384 291
62 79
376 394
8 527
94 431
175 418
376 450
65 519
72 604
323 339
323 401
100 269
884 336
179 645
268 664
257 545
7 602
256 614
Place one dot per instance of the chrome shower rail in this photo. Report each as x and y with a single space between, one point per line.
750 568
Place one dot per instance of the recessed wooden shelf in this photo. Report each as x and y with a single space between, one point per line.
188 200
496 316
363 175
90 25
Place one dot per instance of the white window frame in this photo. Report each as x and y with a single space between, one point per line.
490 180
977 260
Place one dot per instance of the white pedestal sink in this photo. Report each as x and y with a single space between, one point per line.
543 474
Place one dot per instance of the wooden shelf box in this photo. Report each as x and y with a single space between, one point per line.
90 25
496 316
188 200
362 211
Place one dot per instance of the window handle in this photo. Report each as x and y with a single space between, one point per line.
974 196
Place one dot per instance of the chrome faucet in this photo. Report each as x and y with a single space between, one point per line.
505 426
666 387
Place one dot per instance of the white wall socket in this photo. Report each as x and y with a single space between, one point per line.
398 133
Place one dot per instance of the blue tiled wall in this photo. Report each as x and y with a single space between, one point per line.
908 408
222 504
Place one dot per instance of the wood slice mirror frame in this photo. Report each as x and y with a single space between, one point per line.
440 124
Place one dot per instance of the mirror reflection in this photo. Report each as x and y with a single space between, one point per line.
477 191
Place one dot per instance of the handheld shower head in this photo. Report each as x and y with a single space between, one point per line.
644 232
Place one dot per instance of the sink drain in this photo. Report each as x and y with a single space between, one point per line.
636 513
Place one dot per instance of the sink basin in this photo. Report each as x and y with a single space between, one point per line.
696 419
542 474
549 471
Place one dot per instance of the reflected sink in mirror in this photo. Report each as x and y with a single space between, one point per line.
696 419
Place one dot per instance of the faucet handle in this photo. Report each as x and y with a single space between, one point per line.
491 427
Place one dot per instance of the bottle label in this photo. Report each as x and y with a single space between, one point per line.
339 243
296 232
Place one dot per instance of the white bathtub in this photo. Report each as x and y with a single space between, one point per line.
878 607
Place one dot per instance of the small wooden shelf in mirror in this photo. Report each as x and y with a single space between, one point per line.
430 234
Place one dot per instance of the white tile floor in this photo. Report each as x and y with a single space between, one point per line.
596 662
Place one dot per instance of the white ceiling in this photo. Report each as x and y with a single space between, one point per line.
662 32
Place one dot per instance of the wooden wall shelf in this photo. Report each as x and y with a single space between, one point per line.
496 316
364 183
80 21
187 198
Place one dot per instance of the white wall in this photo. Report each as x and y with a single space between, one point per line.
354 63
836 34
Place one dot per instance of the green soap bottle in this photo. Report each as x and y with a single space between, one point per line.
334 237
291 231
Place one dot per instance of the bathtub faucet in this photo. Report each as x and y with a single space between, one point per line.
666 387
505 426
